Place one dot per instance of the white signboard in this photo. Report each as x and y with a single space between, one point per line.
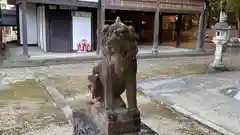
88 0
81 14
81 31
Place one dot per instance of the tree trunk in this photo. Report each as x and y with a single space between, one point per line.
209 20
238 22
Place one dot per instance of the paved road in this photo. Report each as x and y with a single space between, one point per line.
213 99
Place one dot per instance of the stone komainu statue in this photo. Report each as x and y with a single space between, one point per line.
116 72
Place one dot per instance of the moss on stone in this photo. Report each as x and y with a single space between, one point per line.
28 89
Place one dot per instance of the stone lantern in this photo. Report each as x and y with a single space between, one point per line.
220 40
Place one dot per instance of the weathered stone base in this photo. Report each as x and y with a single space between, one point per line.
98 122
220 66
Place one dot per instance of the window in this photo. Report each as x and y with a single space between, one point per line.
222 33
63 7
52 7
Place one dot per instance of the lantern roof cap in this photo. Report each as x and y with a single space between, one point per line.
222 24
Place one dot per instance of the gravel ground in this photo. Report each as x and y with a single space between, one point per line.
71 80
25 107
53 129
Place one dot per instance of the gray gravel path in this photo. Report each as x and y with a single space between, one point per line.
210 98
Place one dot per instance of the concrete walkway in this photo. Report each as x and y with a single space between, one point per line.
39 58
212 99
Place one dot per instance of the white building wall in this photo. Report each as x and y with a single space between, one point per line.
31 24
38 27
44 29
41 28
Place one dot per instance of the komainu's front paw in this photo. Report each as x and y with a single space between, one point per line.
94 101
90 87
91 78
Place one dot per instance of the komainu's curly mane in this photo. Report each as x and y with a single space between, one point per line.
117 36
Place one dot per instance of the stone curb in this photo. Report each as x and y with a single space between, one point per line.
202 120
189 114
60 102
34 62
57 97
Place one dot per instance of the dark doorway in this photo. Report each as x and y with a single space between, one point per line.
141 21
60 30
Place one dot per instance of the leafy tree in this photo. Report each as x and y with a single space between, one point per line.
214 4
234 6
213 7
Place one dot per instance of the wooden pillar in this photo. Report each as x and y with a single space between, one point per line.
1 28
101 15
156 31
161 29
23 7
0 17
100 22
178 31
200 33
202 29
1 34
18 25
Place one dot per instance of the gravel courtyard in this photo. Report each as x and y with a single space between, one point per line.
26 108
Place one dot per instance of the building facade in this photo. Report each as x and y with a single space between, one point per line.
8 22
58 26
61 25
148 17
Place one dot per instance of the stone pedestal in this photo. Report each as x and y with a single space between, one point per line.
218 60
218 66
97 121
